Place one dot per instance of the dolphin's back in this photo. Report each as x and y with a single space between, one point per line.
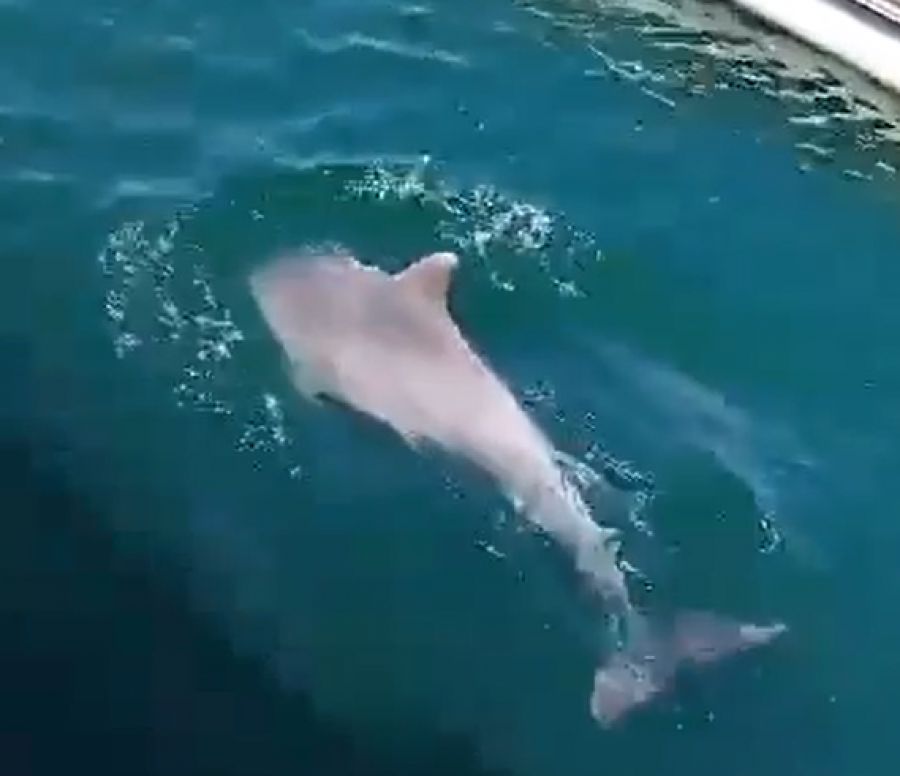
397 356
337 301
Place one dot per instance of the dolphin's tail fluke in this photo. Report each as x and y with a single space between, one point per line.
645 667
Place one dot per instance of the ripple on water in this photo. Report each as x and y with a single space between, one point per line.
400 50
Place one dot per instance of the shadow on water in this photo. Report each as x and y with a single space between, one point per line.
105 666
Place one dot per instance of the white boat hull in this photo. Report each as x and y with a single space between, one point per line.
866 36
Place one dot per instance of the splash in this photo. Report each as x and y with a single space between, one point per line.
486 224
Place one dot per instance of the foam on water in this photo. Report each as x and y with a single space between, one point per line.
161 307
481 222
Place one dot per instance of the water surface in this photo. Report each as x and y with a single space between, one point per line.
678 246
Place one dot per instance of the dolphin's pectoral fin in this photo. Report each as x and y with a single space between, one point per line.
305 380
430 276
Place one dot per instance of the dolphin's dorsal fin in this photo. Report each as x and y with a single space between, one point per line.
430 276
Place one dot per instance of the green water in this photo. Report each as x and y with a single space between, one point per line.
681 257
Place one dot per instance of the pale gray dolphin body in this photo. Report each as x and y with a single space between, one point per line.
387 346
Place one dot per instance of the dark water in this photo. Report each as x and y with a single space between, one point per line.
680 250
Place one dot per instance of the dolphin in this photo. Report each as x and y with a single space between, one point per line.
386 345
